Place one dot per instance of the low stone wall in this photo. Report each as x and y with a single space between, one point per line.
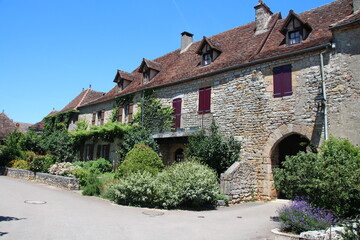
53 180
238 183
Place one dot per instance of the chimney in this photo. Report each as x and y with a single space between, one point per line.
356 5
262 17
186 41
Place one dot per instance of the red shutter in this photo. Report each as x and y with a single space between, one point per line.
282 81
204 100
121 110
177 112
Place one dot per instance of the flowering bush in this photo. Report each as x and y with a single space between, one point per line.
20 164
300 216
63 169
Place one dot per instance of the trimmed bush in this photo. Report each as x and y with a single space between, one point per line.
136 189
187 184
330 179
299 216
140 158
20 164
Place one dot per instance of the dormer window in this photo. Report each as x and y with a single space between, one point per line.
206 59
294 37
209 51
149 70
123 79
294 29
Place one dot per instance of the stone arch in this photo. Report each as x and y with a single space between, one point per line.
274 139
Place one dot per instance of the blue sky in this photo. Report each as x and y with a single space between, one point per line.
51 49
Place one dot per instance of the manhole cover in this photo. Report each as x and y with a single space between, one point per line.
34 202
153 213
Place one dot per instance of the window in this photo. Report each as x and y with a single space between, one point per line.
294 37
179 155
89 152
146 76
177 112
128 109
100 118
103 151
120 116
282 81
206 58
204 100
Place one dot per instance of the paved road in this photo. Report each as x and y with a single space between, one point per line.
69 215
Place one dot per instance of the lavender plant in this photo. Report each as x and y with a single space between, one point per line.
299 216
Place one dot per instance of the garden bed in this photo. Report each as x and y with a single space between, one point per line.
49 179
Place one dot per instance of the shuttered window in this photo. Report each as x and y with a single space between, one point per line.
102 115
282 81
131 109
93 118
120 116
204 100
177 112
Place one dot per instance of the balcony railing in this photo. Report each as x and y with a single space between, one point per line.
186 123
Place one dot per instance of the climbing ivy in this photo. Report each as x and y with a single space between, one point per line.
121 101
57 121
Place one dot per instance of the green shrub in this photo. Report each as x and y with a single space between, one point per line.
93 186
135 136
330 179
100 165
136 189
187 184
20 164
140 158
351 230
214 150
81 174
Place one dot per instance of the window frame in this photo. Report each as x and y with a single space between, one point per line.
204 105
282 81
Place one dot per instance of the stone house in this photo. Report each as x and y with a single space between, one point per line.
272 83
7 126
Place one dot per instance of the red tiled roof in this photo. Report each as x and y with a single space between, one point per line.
83 98
355 17
123 75
150 64
238 46
7 125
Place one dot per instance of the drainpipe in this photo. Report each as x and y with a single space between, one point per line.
326 136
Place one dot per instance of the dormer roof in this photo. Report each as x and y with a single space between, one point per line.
292 15
121 75
211 43
149 64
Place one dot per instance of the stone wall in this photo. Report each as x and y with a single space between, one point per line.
49 179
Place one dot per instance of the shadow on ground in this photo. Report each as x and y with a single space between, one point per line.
7 219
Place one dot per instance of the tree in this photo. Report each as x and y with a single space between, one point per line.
214 150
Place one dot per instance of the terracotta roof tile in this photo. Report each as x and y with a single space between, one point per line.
83 98
238 46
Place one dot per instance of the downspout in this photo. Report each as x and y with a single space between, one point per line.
323 87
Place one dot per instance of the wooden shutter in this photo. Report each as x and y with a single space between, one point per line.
120 116
131 108
204 100
282 81
177 112
102 117
93 118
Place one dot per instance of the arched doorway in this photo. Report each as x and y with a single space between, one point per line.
289 145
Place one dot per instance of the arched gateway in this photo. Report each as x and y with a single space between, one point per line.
286 140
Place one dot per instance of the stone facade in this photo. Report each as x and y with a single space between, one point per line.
243 103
